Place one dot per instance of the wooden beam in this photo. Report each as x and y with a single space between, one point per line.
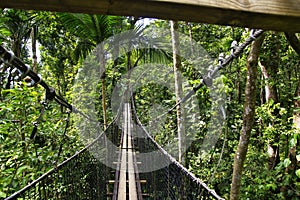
281 15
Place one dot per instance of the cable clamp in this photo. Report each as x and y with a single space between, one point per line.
208 81
252 32
234 44
67 119
74 110
232 53
27 70
14 71
40 79
221 58
44 103
50 94
34 130
36 124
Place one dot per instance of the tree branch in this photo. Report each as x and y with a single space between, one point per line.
294 41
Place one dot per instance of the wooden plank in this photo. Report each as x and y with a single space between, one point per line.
127 164
113 181
122 177
131 169
283 15
117 172
123 169
281 7
131 177
137 177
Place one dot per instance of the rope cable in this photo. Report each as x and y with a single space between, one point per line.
223 62
59 166
220 159
173 160
64 136
37 122
10 58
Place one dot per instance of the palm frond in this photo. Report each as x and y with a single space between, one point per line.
90 30
78 24
83 48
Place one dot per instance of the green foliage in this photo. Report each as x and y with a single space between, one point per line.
23 159
65 39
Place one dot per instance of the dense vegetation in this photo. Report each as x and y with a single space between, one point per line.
55 45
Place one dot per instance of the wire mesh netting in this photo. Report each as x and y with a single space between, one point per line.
89 173
82 176
172 181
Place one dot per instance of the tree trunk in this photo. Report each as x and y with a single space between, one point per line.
178 91
33 46
270 89
104 102
296 115
189 25
238 86
248 118
295 43
269 69
271 94
103 77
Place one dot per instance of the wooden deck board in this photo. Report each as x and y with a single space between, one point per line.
127 163
122 189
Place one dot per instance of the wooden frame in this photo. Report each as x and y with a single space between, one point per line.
281 15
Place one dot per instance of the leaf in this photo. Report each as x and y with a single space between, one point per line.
298 157
271 185
2 194
293 142
5 32
297 172
21 169
286 162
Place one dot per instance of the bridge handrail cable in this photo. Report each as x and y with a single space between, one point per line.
172 159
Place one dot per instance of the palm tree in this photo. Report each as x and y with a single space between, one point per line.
91 31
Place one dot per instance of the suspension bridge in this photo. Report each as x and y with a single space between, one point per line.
97 173
83 176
